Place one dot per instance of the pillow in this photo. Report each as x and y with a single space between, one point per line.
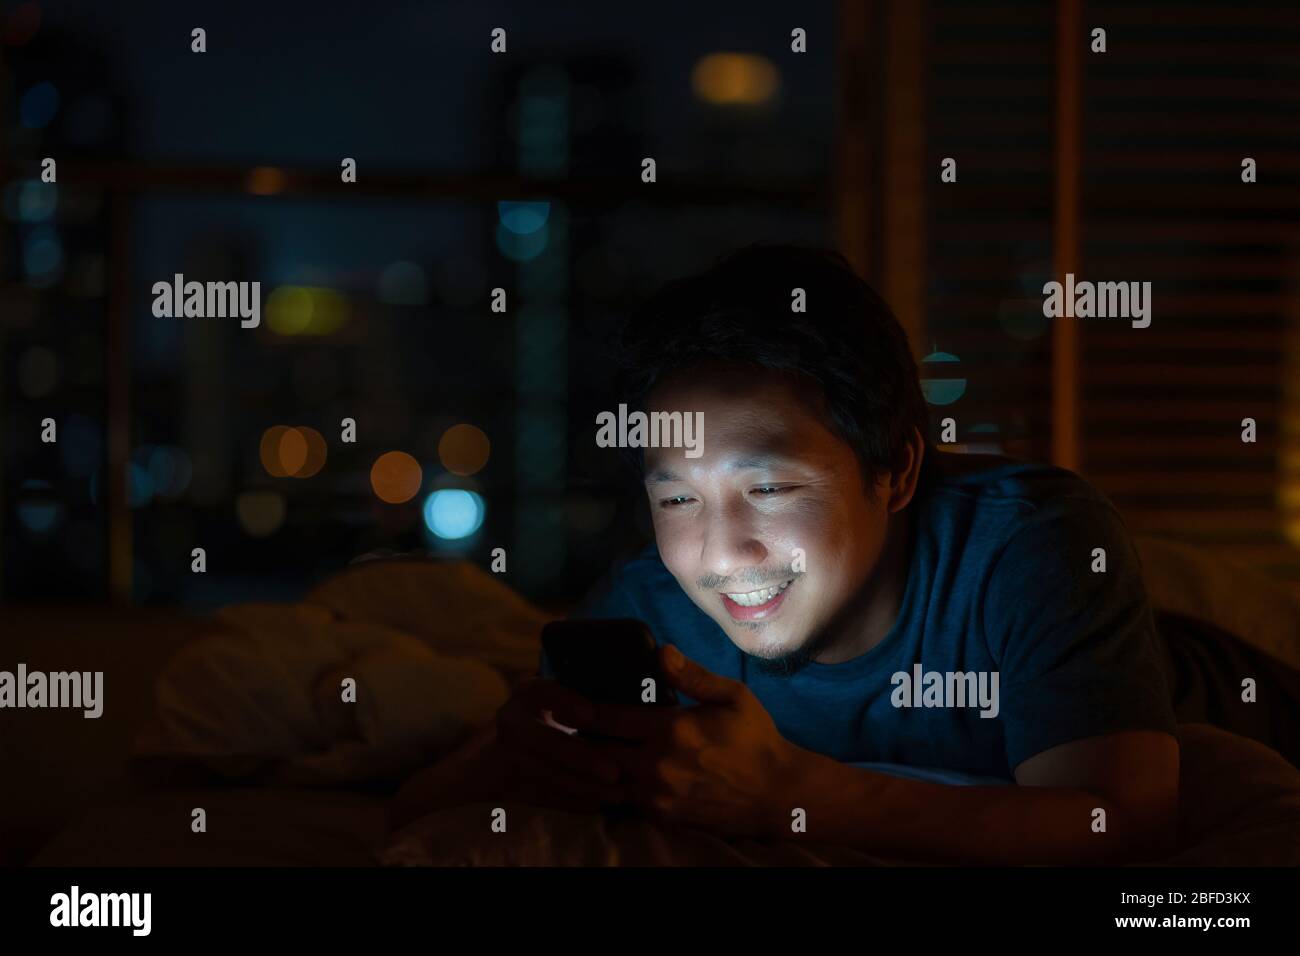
1195 582
453 606
265 698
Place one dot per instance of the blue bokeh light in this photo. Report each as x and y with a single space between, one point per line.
521 248
523 218
42 253
452 513
38 511
39 104
36 200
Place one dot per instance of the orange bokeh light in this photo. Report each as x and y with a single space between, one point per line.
314 460
464 449
270 451
265 181
395 476
288 452
293 451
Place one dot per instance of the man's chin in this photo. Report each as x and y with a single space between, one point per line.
780 661
783 665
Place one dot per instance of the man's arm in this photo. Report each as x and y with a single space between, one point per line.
724 767
1050 818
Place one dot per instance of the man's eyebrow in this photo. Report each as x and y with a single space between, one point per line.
660 476
756 460
759 460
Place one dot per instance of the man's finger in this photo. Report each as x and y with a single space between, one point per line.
632 721
693 680
638 767
547 785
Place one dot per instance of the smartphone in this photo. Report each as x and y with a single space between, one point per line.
606 659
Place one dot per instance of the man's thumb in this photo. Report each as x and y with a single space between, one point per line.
693 680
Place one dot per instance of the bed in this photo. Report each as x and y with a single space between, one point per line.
284 777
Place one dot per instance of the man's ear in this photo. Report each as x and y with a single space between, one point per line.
902 485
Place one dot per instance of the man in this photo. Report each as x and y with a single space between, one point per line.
856 621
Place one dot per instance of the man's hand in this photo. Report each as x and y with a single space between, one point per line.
544 765
721 765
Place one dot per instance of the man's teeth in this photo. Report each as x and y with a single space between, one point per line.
755 598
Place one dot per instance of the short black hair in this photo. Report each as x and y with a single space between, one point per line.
847 342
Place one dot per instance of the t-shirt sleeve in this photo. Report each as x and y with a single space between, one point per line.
1075 646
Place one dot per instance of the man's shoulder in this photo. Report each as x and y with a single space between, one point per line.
643 566
1015 491
632 586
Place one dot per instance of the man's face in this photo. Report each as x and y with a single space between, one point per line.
770 530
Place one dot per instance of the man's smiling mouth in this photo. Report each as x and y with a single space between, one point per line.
759 597
757 605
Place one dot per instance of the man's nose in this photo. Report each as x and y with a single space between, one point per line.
730 543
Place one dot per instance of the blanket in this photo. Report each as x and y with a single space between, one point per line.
1240 806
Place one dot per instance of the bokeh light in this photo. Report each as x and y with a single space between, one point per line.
265 181
292 452
38 509
39 104
939 382
1023 318
464 449
395 477
314 460
523 218
735 79
521 248
305 310
269 451
42 256
139 485
453 513
261 513
170 470
37 200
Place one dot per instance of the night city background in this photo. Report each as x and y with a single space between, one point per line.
522 171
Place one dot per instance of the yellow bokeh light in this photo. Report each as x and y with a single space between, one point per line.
730 79
260 512
305 310
463 449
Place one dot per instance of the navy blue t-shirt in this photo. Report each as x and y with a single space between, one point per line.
1000 578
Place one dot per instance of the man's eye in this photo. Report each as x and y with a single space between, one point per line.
674 501
769 490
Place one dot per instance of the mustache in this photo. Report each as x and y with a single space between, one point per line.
749 579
